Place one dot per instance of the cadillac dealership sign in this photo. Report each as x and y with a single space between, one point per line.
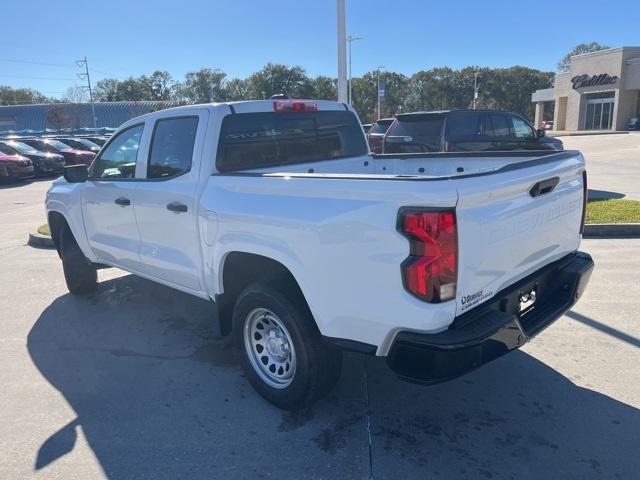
581 81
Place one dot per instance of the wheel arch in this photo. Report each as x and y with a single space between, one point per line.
57 222
239 269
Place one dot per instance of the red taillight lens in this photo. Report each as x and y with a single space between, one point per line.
431 270
585 194
295 106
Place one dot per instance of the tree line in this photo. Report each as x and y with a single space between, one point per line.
438 88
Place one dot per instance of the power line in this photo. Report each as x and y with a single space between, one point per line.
30 62
35 78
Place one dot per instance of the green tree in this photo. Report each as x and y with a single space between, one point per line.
365 94
133 89
159 85
204 85
324 88
106 90
20 96
277 78
563 64
236 90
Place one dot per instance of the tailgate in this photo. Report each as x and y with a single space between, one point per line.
508 227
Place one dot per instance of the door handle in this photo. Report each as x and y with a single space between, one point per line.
545 186
177 207
122 201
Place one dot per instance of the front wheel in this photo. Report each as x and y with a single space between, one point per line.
281 350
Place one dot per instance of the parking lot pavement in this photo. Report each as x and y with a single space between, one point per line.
131 383
613 163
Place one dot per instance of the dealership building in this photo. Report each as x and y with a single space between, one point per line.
600 91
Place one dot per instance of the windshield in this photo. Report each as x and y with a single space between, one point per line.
7 150
86 143
22 147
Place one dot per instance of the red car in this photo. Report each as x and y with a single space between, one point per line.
71 156
15 167
375 137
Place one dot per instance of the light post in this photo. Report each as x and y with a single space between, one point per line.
475 88
380 67
342 53
351 39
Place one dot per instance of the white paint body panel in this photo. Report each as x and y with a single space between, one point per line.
335 228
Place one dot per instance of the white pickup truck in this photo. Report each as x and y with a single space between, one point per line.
309 245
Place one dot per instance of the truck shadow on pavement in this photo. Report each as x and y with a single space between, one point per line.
158 396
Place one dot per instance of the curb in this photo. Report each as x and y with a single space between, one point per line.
40 241
612 230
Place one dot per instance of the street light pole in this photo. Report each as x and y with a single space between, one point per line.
475 88
380 67
342 53
351 39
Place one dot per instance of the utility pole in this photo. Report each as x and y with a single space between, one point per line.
85 76
475 88
342 53
351 39
380 67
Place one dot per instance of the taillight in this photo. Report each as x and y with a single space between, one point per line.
431 270
295 106
585 194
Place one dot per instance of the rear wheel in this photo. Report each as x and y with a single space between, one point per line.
281 350
80 274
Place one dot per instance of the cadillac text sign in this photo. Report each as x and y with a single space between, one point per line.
584 80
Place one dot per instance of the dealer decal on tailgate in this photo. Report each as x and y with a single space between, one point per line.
468 301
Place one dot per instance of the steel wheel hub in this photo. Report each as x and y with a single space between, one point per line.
269 348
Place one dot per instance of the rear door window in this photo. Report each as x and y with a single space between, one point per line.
463 124
171 148
260 140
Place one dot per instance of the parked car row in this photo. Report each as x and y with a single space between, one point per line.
457 131
27 157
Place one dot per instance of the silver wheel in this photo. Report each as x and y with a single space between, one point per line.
269 347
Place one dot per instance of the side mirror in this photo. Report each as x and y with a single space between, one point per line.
76 173
540 133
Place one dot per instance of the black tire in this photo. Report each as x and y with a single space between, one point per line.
80 274
318 364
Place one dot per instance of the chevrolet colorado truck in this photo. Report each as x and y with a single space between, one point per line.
309 245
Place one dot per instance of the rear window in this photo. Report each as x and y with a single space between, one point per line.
418 126
260 140
381 126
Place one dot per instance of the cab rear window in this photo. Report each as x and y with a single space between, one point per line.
260 140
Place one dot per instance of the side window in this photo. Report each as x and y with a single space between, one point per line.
118 160
172 147
500 125
521 128
463 124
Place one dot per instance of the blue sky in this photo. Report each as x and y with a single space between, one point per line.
122 38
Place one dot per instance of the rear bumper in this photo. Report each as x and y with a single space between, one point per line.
494 328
